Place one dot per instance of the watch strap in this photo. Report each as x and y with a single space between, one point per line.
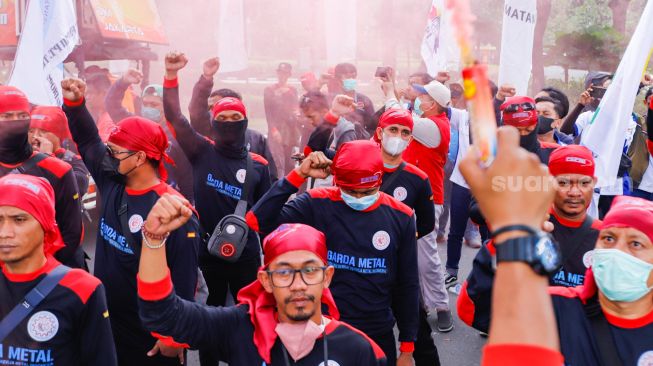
507 228
521 249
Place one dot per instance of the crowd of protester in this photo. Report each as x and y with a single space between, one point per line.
323 231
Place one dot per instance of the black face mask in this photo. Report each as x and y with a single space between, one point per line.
544 124
230 138
530 142
14 145
111 165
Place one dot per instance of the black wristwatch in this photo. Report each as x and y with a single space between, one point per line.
540 251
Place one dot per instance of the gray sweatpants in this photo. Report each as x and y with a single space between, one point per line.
431 271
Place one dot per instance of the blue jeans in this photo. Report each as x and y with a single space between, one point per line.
459 213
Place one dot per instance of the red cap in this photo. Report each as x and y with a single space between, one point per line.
395 117
290 237
35 196
358 164
228 104
12 99
571 159
262 305
50 119
140 134
633 212
520 118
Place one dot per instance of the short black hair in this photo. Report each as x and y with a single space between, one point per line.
314 100
226 93
425 77
560 96
344 68
557 106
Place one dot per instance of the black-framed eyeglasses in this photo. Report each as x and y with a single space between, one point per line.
512 108
285 277
113 153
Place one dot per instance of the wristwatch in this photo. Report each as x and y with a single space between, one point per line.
539 251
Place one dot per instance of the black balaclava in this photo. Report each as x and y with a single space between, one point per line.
229 138
14 144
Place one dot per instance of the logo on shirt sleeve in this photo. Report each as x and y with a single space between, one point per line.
400 194
381 240
240 175
43 326
646 359
135 223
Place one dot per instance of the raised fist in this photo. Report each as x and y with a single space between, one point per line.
342 104
168 214
73 89
175 61
133 76
315 165
211 67
506 91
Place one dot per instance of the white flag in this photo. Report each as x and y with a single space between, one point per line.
519 18
340 30
232 48
439 50
606 133
48 37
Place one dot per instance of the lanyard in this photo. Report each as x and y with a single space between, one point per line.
326 351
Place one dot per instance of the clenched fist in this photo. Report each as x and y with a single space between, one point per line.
73 89
342 104
211 67
174 62
168 214
133 76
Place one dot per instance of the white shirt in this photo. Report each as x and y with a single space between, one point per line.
462 119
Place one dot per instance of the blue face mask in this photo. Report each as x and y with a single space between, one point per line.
349 84
152 114
359 204
620 276
416 107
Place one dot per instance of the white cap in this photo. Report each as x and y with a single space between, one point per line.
436 90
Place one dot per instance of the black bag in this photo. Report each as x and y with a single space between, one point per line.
230 235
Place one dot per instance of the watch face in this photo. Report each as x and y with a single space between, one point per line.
548 253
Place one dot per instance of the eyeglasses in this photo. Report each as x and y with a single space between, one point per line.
114 153
282 278
515 107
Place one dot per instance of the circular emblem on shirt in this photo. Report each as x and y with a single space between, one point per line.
240 175
646 359
135 223
43 326
400 194
587 259
381 240
230 229
330 363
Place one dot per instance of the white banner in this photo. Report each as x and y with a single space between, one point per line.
519 18
606 133
340 30
439 50
232 48
48 37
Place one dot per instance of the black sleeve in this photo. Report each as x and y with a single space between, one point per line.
81 175
496 103
189 140
97 347
183 172
475 299
69 219
267 154
319 138
113 101
272 210
91 148
182 252
568 126
406 293
200 118
424 210
199 326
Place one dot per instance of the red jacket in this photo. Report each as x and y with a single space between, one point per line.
432 160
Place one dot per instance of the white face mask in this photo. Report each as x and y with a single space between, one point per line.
394 145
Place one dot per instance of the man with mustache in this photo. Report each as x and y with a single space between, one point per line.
575 231
278 316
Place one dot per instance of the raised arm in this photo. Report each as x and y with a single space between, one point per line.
568 126
189 140
115 95
200 118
